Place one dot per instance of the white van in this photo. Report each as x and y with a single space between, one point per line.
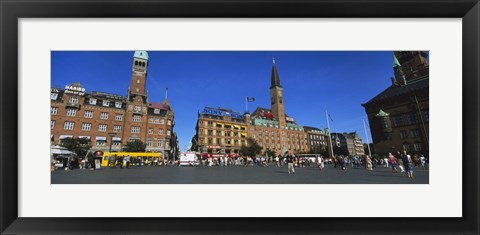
189 158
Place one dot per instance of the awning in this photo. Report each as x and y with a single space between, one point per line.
117 138
84 137
100 138
236 126
65 136
243 134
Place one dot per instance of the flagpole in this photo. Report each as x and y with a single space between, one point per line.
366 135
246 104
330 133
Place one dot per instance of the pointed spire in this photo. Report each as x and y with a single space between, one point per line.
165 101
275 81
395 62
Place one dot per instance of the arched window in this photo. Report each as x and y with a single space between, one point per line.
143 64
136 62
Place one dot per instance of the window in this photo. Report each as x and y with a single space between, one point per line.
53 110
150 131
53 96
103 115
106 103
218 141
150 120
403 134
92 101
210 132
88 114
118 104
413 118
417 147
138 108
118 117
384 123
209 141
235 142
73 100
52 124
168 132
159 143
117 128
68 125
160 131
86 126
398 120
406 147
156 111
116 143
414 133
71 112
228 141
149 142
136 118
162 121
169 122
101 142
102 127
135 129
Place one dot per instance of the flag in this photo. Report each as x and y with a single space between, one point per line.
250 99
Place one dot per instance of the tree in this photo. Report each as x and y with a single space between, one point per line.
270 153
244 150
79 146
339 151
135 146
253 148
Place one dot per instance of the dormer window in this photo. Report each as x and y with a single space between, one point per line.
53 96
73 100
106 103
93 101
156 111
118 104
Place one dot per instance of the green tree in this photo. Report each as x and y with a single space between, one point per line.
253 148
244 150
79 146
135 146
270 153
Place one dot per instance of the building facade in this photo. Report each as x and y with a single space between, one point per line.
318 140
220 132
349 142
106 118
399 115
272 128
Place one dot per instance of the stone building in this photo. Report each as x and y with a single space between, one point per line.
399 115
98 116
318 140
349 142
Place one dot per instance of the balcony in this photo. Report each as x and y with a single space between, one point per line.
139 112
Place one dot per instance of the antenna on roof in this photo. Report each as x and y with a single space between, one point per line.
166 93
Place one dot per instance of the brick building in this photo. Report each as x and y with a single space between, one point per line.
271 128
97 115
399 115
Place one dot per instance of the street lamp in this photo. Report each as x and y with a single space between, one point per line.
111 134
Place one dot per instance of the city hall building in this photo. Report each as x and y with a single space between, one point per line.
222 131
399 115
105 118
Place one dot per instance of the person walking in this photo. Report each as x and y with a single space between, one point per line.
368 163
321 163
290 160
400 164
393 162
409 166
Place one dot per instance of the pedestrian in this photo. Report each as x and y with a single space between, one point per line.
91 162
393 162
127 160
409 166
423 161
277 161
368 163
290 161
321 162
400 163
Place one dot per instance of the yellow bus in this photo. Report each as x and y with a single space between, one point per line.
136 159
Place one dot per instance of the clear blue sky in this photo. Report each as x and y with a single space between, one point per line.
313 81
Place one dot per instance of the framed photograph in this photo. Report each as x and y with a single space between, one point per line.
203 117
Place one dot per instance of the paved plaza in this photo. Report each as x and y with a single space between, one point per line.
236 175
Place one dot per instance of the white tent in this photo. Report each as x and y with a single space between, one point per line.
58 150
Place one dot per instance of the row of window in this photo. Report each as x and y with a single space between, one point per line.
227 141
414 133
104 116
416 147
409 119
103 127
317 137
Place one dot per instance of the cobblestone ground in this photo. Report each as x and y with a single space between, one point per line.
236 175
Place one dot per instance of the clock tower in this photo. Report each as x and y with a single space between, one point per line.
276 97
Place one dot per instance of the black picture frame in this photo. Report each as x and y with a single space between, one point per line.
11 11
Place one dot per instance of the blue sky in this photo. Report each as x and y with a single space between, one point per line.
313 81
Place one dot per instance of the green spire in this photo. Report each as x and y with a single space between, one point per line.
395 62
382 113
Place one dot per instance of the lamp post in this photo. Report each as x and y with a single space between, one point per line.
111 134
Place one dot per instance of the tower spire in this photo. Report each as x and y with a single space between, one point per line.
275 81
